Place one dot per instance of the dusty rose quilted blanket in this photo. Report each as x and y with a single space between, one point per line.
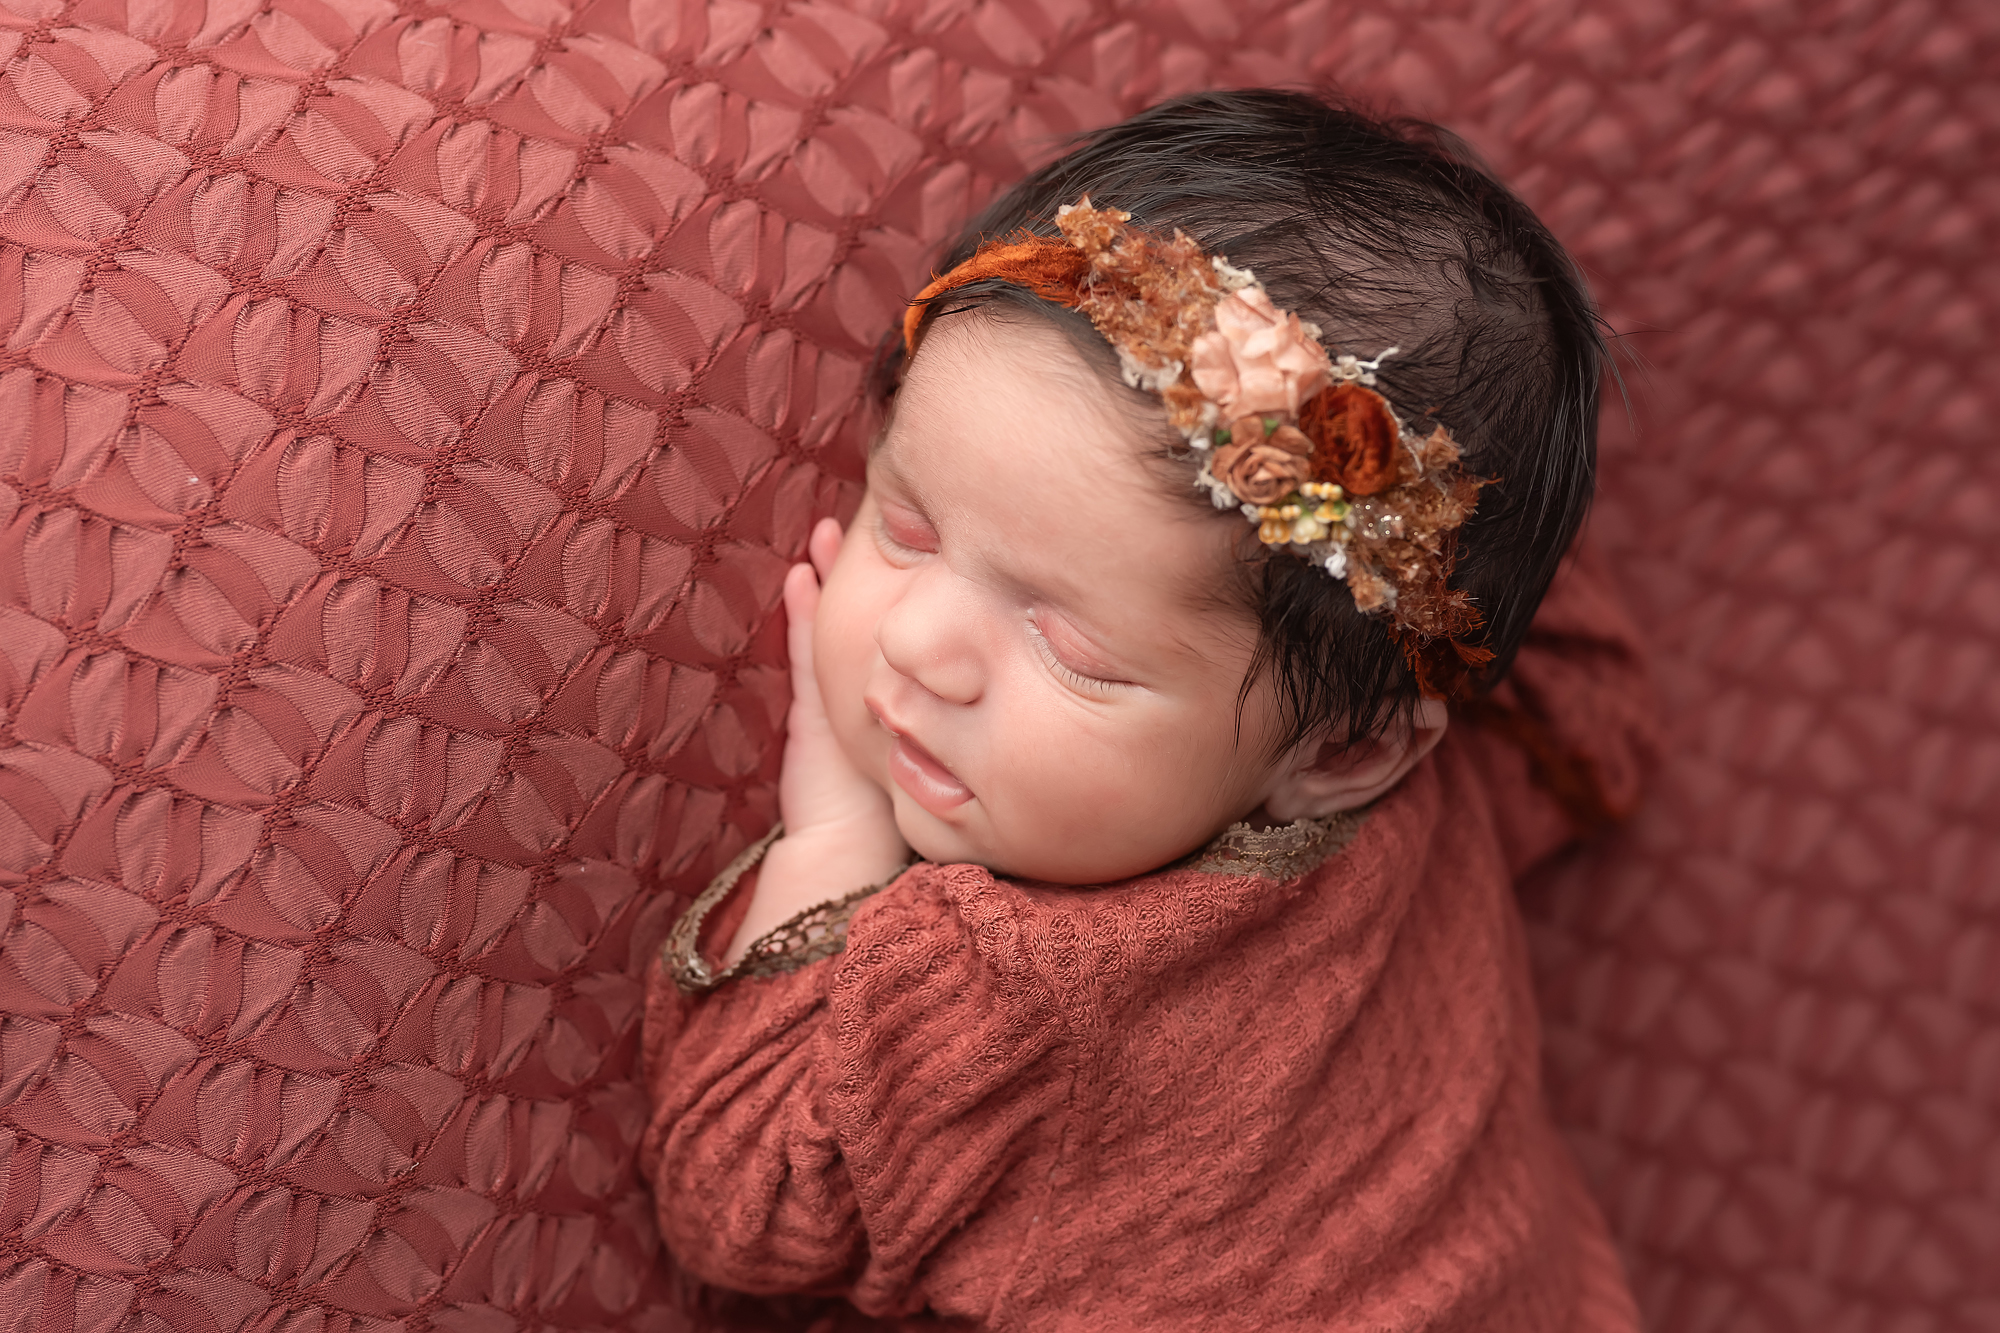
407 411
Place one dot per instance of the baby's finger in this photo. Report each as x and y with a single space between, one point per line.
824 545
801 605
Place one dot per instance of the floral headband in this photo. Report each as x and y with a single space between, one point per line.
1297 441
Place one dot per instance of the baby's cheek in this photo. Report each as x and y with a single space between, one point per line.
1069 782
1104 806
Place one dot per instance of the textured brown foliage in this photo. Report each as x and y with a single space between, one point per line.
1151 297
1408 535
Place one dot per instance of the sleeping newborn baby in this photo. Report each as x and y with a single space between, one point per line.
1231 458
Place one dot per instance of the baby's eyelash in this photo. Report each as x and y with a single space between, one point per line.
1069 675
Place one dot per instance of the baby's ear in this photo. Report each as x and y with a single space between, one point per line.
1321 777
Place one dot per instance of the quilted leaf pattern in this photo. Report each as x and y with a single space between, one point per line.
407 412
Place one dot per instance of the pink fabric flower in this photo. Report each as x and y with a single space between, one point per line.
1255 359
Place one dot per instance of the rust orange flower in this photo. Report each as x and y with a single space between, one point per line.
1357 434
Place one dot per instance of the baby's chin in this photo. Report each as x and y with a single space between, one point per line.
931 838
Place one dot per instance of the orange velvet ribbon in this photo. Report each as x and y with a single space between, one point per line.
1050 267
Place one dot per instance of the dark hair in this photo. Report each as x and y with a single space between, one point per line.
1384 233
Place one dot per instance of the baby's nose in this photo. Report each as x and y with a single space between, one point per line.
925 638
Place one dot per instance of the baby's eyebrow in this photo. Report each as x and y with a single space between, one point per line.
883 453
881 436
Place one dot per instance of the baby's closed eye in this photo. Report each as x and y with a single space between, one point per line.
904 529
1070 661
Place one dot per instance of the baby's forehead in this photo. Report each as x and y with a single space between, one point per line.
1059 349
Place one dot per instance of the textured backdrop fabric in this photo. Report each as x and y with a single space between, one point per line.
406 416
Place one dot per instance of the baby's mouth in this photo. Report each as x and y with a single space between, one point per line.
918 772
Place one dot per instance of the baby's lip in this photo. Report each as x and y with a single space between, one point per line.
920 773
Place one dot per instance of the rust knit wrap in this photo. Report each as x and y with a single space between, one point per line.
1201 1098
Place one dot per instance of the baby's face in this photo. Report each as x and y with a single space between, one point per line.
1025 640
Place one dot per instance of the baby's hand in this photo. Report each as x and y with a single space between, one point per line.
820 790
840 828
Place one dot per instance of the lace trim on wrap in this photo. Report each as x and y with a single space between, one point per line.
1282 853
821 932
816 933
